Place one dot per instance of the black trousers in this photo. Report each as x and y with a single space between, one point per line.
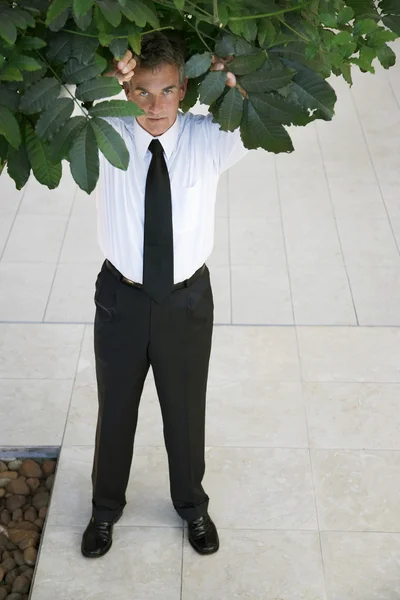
132 332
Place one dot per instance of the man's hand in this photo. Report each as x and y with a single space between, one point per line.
124 68
219 64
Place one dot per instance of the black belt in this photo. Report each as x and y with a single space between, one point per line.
177 286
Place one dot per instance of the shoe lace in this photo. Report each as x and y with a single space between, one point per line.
103 529
200 526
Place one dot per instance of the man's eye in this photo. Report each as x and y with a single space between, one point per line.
143 93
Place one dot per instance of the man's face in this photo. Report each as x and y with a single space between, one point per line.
158 93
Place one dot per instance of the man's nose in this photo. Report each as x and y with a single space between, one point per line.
156 105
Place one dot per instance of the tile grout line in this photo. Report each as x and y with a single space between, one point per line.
13 222
284 240
374 168
59 254
336 226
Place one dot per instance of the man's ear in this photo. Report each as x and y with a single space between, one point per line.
183 88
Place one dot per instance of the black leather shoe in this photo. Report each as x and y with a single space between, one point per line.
203 535
97 538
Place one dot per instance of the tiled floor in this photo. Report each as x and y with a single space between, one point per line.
303 417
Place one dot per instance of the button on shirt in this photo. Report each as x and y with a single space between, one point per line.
196 152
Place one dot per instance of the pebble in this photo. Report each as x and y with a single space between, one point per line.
21 585
15 501
50 481
18 556
14 597
17 515
31 514
3 593
33 483
41 499
30 468
30 555
8 565
3 466
43 512
14 465
1 573
48 467
2 492
19 486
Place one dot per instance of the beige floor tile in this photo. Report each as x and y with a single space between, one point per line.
368 354
71 298
10 198
221 203
361 566
35 238
242 353
368 242
256 413
147 495
256 241
259 565
39 351
312 241
353 415
143 563
39 200
355 489
80 243
84 205
45 406
260 488
24 290
321 294
221 287
261 295
376 293
6 222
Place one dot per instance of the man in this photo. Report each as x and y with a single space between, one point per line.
154 303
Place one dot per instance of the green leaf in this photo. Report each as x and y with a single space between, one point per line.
257 131
136 11
198 64
39 95
231 110
135 42
9 97
273 75
110 11
56 8
76 72
82 6
60 47
30 43
390 6
277 109
4 148
342 39
225 45
246 64
54 117
83 48
18 166
392 23
21 18
8 31
98 87
192 94
24 63
179 4
386 56
364 27
84 21
9 127
266 33
118 47
345 69
116 108
249 30
380 36
44 169
243 48
60 21
345 15
11 74
84 159
110 143
313 91
63 139
212 86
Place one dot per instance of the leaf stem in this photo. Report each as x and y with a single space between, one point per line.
271 14
62 83
294 31
215 6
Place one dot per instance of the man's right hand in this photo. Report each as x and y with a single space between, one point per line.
124 68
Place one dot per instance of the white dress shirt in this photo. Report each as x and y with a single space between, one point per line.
196 152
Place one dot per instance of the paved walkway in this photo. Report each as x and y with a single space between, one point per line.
303 420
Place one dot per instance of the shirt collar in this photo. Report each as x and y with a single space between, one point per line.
167 139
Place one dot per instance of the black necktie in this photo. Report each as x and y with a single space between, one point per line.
158 249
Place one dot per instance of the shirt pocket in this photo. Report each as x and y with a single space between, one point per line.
186 206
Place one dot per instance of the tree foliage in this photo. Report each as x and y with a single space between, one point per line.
53 57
